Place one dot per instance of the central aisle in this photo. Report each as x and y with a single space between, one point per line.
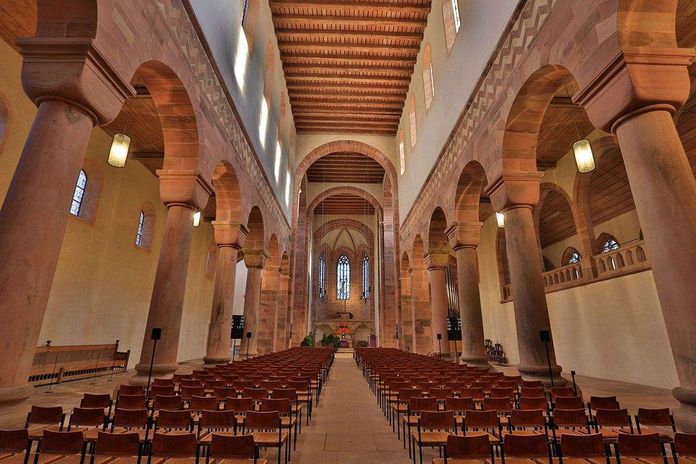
348 426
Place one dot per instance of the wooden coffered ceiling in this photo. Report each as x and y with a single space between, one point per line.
348 64
346 167
344 204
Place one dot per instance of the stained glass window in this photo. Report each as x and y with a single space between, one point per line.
79 193
343 278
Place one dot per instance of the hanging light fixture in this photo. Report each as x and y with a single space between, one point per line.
119 150
196 218
500 219
584 158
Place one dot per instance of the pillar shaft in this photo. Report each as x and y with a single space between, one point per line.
255 262
167 303
473 349
32 224
422 316
268 309
438 299
281 338
664 191
529 297
220 328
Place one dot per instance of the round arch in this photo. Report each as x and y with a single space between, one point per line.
255 239
437 240
358 192
227 196
472 181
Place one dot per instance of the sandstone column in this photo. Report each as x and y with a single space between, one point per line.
255 261
422 317
437 263
183 194
281 338
229 238
464 239
34 213
407 314
515 195
268 307
637 105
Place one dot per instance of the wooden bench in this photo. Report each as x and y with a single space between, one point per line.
56 364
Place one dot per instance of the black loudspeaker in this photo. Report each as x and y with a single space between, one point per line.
439 336
248 334
156 333
545 336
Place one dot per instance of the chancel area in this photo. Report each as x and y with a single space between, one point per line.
347 231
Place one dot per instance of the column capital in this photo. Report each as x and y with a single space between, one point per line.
183 187
464 235
436 260
73 69
637 79
255 259
230 234
514 190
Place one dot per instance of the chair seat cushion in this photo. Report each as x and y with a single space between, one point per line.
269 439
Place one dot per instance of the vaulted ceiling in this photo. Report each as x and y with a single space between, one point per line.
348 64
346 167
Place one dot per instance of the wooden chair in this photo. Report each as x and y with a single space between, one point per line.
400 407
173 421
468 449
267 430
528 422
216 422
568 402
233 449
131 401
656 420
188 392
416 405
173 402
287 418
684 447
163 381
182 447
14 446
602 402
90 421
484 421
569 422
42 418
526 449
582 449
240 406
164 390
116 448
204 403
610 422
640 449
68 447
459 406
533 402
291 394
92 400
432 431
131 420
127 389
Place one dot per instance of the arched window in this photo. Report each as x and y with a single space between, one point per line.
343 278
365 282
322 277
607 243
141 230
428 80
412 120
79 193
452 20
402 154
146 226
571 256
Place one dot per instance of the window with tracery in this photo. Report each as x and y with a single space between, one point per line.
571 256
343 278
608 243
365 278
322 277
79 193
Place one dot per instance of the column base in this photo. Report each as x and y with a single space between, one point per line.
213 360
685 415
477 362
542 373
158 371
14 395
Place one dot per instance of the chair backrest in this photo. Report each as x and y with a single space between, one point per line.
579 446
156 382
179 419
502 392
604 402
569 418
177 445
531 391
224 391
656 417
476 393
536 402
481 419
497 404
526 446
87 417
568 402
190 383
131 401
612 418
62 442
533 418
440 393
468 447
459 405
117 444
685 444
91 400
289 393
239 405
532 384
282 405
562 392
256 393
168 402
232 447
187 392
217 420
262 420
201 403
45 415
127 389
131 418
14 440
162 390
418 404
436 420
635 445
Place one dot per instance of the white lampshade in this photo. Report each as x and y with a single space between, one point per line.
584 159
119 150
500 219
196 218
